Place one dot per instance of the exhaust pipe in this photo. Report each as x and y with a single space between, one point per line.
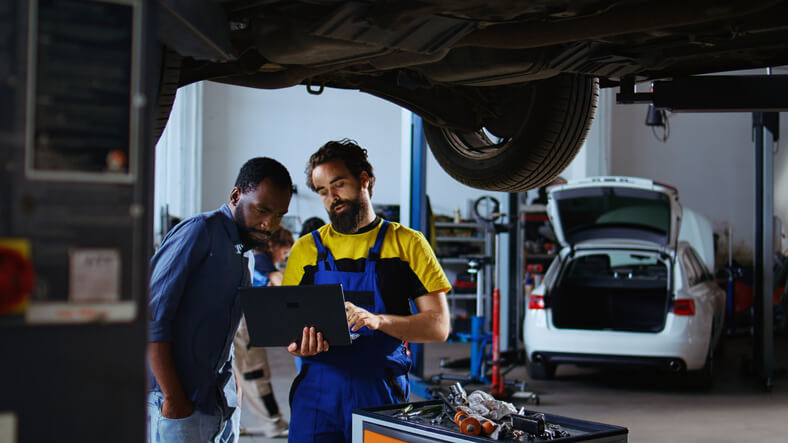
674 365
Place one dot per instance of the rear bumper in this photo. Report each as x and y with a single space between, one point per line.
671 364
684 339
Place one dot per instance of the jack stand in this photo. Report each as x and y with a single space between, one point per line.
499 389
477 337
479 340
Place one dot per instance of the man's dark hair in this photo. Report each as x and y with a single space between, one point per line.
258 169
310 225
354 156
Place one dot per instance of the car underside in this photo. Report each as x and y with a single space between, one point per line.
507 89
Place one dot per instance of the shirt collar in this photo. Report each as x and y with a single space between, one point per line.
370 226
362 230
232 230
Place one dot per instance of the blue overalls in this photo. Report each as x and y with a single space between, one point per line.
371 371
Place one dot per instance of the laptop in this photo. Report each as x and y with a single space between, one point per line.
276 315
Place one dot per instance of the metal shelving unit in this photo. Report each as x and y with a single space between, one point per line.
460 239
479 243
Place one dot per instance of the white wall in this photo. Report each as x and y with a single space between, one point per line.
179 160
289 125
709 157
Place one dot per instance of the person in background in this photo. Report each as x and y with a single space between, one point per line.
195 308
268 259
382 267
251 363
311 224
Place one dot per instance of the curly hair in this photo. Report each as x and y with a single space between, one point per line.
282 237
353 155
258 169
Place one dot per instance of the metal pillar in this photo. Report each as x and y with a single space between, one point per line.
503 258
764 126
418 221
516 264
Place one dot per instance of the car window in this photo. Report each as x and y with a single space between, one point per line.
704 271
618 260
613 205
689 271
618 266
692 267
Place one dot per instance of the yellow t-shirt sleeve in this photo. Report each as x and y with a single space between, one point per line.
302 254
425 265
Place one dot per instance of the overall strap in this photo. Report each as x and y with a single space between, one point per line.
374 252
323 254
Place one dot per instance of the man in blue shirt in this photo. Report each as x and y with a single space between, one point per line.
195 307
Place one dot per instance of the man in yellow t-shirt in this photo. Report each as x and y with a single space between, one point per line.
382 266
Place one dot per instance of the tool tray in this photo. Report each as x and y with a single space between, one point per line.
416 428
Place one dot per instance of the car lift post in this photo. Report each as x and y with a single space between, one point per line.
767 95
765 131
418 221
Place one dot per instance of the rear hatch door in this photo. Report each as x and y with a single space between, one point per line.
615 208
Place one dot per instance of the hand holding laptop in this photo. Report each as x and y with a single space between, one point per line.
302 318
311 343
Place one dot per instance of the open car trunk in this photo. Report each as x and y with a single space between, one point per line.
616 291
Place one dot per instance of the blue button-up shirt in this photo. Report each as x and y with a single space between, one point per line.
194 304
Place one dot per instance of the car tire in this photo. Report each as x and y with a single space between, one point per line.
539 370
169 77
553 121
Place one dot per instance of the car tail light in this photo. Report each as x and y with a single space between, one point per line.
536 302
684 307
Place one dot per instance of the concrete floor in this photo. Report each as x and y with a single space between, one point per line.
651 405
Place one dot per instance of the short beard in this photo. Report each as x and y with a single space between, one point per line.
245 232
348 221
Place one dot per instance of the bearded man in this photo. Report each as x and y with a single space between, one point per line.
382 267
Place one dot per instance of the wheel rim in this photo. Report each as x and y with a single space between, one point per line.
476 145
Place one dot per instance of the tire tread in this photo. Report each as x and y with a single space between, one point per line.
571 104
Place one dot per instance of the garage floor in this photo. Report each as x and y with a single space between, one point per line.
651 405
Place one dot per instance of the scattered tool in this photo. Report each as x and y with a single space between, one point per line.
530 424
409 412
470 426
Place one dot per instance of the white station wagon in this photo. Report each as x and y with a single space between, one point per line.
631 285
